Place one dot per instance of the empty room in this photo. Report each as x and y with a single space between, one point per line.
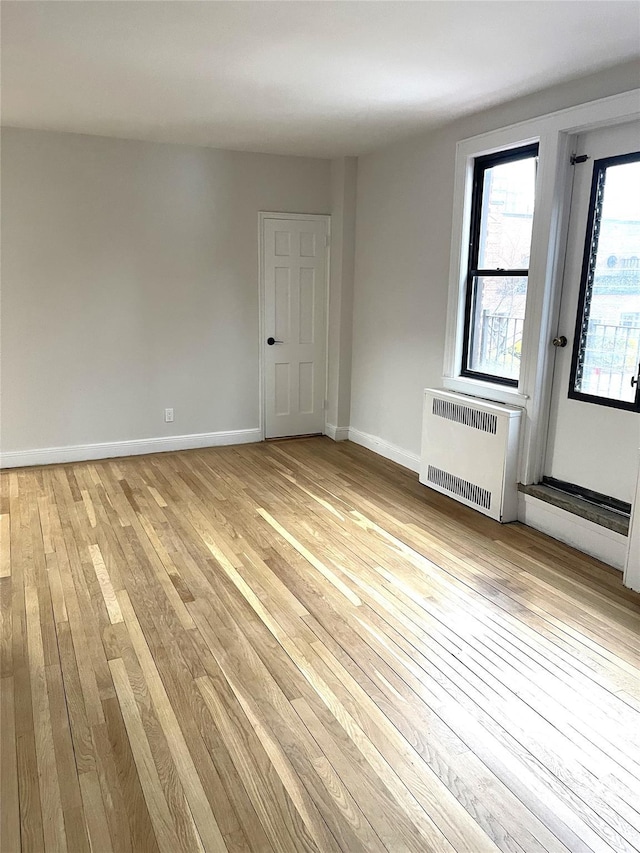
320 426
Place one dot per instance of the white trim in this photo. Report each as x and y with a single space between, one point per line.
335 432
614 109
580 533
262 216
275 214
632 564
136 447
386 449
485 391
555 178
554 132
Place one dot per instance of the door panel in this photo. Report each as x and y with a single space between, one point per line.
591 444
295 311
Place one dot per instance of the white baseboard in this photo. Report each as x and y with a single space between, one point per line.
137 447
336 433
386 449
580 533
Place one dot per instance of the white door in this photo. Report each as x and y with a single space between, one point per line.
594 427
294 324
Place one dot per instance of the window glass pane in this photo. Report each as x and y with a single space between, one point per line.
609 345
507 215
496 325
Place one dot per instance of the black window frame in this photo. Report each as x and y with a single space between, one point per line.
586 281
480 166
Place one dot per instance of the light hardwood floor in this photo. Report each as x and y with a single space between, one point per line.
296 647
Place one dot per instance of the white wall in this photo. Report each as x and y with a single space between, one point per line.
129 284
403 227
129 278
344 171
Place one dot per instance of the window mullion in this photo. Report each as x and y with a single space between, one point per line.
500 272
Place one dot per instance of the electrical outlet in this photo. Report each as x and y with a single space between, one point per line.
168 416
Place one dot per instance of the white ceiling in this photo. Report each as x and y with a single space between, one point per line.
315 78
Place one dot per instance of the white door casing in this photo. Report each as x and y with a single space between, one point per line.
294 290
591 445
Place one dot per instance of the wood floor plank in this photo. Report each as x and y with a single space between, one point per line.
31 829
272 720
6 628
9 796
5 545
95 816
70 796
108 592
163 825
129 825
269 800
295 646
52 815
205 821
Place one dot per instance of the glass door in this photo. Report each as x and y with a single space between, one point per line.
594 429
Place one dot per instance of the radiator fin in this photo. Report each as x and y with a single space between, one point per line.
457 486
484 421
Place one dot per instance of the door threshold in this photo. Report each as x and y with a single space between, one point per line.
613 519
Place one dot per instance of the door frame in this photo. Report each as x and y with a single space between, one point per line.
554 132
262 216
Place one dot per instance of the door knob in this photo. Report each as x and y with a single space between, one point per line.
272 341
560 341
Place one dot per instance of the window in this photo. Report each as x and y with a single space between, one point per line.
500 243
630 318
606 352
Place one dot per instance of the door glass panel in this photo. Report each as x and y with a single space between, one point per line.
497 323
607 347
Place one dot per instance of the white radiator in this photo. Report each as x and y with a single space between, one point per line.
470 452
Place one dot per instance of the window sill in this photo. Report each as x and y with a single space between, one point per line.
484 390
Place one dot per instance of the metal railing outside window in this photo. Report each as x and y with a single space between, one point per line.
610 358
500 344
